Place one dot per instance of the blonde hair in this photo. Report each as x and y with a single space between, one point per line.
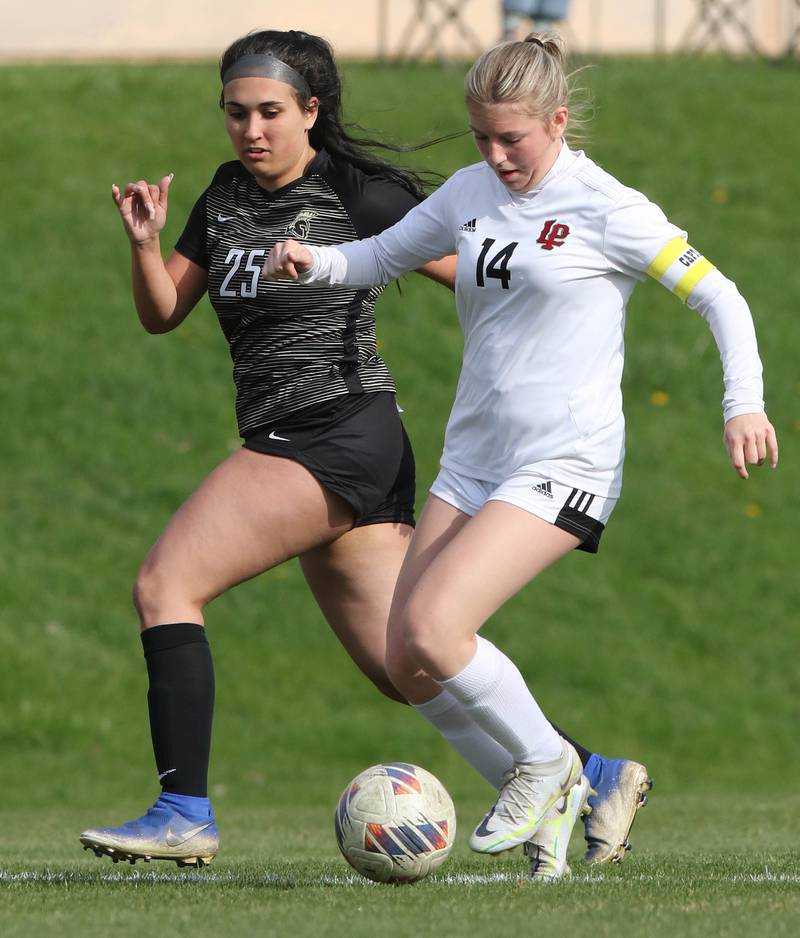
530 73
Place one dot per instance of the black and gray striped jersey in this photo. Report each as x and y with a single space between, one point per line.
292 346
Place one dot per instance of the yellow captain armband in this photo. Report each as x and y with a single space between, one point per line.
679 267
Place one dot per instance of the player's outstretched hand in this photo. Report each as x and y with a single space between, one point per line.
287 260
142 208
748 439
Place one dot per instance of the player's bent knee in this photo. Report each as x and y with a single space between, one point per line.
157 597
424 638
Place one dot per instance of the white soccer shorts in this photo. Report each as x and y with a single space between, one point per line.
581 513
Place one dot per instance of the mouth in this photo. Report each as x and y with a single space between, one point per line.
255 153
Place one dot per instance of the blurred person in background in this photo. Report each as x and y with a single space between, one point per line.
543 13
549 249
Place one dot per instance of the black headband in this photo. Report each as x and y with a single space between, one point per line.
265 65
535 40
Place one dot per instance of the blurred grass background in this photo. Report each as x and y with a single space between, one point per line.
676 645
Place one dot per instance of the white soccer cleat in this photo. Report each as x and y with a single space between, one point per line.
529 790
621 790
547 849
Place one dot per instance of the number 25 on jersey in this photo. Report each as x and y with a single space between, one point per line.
255 260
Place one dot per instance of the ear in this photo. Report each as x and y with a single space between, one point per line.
312 111
559 122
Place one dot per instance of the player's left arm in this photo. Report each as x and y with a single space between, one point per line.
749 437
442 271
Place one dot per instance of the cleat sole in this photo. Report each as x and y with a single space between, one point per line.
195 861
117 856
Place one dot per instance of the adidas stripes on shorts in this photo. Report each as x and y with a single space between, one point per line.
581 513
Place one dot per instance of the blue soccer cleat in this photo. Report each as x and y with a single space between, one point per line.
161 834
621 788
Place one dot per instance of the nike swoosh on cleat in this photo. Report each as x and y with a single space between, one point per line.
482 830
175 840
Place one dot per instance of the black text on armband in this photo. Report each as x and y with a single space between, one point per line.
689 257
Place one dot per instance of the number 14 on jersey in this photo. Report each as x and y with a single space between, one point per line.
497 267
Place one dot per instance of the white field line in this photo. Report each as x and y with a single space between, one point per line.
348 879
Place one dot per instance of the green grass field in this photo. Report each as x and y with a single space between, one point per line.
677 645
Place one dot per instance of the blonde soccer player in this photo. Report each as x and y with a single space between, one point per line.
550 247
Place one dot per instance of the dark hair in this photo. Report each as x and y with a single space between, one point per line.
312 57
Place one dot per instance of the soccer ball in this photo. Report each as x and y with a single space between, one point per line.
395 823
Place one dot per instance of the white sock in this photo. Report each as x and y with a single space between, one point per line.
492 691
472 743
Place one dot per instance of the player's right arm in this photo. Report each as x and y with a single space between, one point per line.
422 236
164 293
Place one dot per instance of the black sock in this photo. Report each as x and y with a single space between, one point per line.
583 753
181 704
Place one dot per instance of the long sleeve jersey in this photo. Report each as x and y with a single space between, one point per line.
543 281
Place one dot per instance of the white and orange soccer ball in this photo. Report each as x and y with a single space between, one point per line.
395 823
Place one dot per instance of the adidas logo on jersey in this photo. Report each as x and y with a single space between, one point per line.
544 488
468 225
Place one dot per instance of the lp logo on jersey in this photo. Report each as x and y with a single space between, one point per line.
301 226
552 235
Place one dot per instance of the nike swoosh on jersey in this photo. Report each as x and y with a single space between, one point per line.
274 436
175 840
223 218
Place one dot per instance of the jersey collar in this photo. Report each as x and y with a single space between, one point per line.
316 166
565 159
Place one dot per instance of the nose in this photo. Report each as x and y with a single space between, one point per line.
252 130
497 155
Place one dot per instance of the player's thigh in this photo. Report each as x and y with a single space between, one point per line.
438 524
353 580
251 513
489 559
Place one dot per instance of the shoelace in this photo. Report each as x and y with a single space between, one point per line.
510 794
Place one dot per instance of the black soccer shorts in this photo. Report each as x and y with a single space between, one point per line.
357 447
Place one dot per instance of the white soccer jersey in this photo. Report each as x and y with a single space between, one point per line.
543 280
